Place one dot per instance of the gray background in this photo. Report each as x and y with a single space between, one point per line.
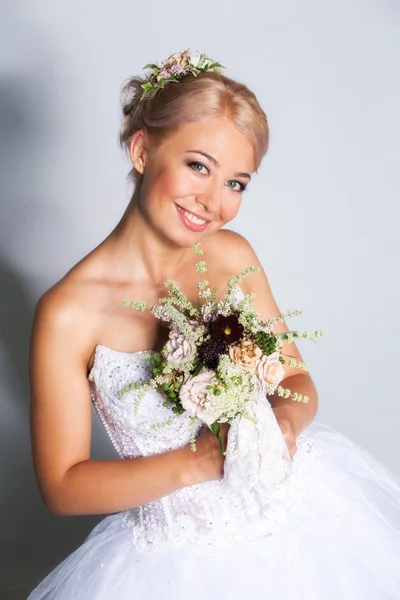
322 214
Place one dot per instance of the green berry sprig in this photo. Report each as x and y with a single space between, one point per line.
267 343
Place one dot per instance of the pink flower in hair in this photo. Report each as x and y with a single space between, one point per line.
176 69
164 73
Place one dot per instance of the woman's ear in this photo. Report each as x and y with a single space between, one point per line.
137 151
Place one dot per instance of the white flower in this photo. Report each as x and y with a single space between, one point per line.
194 60
194 397
178 349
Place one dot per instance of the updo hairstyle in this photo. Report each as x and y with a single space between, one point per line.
189 100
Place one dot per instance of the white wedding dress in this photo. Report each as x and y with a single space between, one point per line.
325 526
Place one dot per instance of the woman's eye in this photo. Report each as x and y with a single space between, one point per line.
196 166
236 186
240 187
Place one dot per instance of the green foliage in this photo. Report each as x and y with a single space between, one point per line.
265 341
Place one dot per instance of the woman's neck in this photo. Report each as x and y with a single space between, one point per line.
137 248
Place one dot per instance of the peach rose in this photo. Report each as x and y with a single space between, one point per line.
246 354
269 369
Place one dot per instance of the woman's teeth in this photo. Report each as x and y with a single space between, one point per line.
193 219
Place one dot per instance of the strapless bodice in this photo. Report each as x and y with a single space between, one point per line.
136 427
208 515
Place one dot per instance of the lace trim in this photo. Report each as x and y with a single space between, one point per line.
257 452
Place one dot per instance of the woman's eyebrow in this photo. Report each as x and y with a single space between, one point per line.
210 158
216 163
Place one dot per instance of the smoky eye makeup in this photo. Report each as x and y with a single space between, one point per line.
242 186
196 166
195 163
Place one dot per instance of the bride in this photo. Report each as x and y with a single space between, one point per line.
175 527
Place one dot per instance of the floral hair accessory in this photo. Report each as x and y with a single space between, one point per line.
175 67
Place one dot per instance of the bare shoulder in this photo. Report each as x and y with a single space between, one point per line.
232 252
230 242
65 314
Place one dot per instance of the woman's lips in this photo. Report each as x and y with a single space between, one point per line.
188 222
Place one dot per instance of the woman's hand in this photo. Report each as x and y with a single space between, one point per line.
286 421
207 462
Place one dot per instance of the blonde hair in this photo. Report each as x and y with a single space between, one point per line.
190 100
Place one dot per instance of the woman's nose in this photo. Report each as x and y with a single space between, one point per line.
210 199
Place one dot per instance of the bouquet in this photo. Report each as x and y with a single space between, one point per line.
220 358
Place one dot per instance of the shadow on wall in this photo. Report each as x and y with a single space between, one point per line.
33 540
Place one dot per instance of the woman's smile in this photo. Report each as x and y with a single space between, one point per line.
191 220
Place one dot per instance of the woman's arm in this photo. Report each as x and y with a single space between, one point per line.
69 481
108 486
300 414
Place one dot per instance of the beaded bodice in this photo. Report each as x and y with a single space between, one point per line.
135 427
211 514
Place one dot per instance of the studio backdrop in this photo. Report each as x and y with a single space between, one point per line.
322 213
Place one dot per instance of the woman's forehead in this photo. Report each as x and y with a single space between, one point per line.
217 137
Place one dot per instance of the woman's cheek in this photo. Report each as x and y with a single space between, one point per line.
231 209
178 184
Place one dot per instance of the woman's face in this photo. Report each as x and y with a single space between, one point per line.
194 181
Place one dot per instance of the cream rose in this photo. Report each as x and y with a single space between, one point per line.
246 354
178 349
193 395
270 370
194 60
180 58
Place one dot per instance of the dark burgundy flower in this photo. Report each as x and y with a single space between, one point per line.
227 328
